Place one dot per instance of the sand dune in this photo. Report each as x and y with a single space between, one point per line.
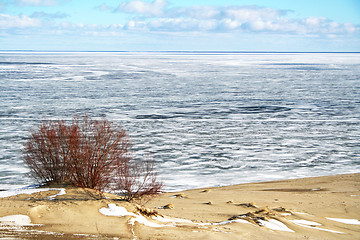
310 208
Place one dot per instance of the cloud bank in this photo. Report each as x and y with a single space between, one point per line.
155 8
36 2
157 16
157 24
20 21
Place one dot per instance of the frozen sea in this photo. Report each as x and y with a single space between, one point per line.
207 119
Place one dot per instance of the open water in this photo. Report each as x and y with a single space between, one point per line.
207 119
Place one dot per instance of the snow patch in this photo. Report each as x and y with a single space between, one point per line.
346 221
275 225
303 213
142 220
172 220
113 210
180 220
61 192
312 225
116 211
30 190
305 222
16 220
232 221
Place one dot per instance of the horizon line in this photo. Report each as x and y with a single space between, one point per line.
173 51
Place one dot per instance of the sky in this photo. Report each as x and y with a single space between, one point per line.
180 25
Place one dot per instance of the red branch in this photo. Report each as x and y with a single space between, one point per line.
89 154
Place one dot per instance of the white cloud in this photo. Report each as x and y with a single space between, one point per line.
157 17
154 8
36 2
251 13
197 12
135 25
350 28
20 21
104 7
48 15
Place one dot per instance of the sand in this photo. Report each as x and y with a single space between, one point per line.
310 208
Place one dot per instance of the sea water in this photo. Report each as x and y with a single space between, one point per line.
206 119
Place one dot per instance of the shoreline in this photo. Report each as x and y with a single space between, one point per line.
9 187
260 181
326 207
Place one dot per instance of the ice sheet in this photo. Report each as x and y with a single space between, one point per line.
209 138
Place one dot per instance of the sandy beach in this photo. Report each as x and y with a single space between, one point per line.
310 208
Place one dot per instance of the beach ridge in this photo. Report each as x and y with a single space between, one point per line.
325 207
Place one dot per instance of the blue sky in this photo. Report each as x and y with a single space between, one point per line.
152 25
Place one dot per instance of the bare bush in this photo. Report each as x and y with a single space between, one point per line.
89 154
136 179
46 154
